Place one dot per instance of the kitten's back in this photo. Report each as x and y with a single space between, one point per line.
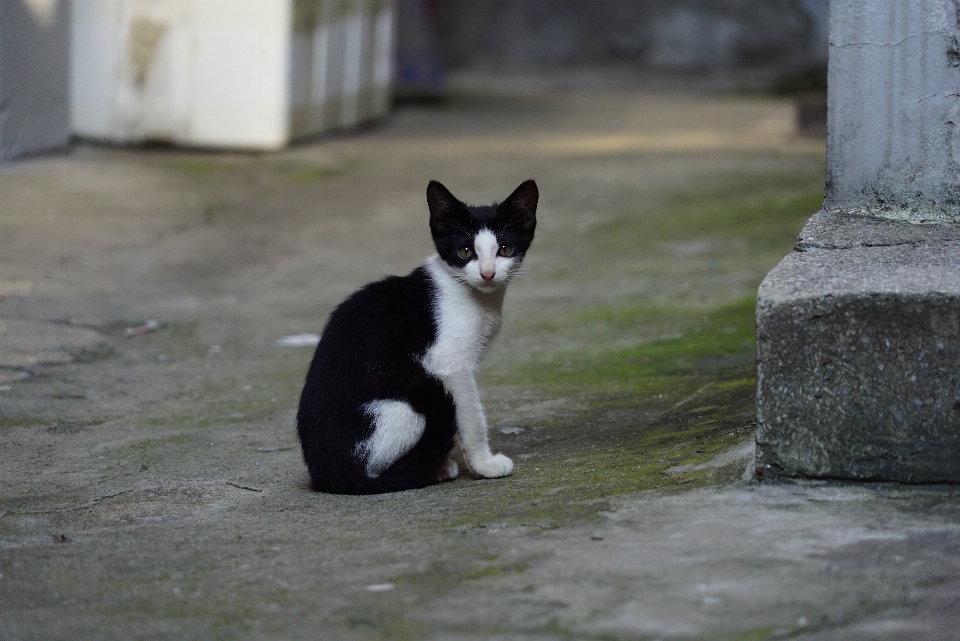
369 354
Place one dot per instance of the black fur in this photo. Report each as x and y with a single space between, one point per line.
453 224
371 349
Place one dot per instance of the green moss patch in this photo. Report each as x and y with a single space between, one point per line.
700 344
640 417
767 209
567 467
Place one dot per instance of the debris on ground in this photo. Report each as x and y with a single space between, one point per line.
13 376
146 328
298 340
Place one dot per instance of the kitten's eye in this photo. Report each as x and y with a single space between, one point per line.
505 250
465 253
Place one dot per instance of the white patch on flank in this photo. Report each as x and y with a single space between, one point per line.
396 429
467 320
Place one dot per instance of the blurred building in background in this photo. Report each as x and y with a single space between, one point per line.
251 74
420 70
668 35
257 74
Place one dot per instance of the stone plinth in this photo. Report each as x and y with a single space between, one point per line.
858 337
859 353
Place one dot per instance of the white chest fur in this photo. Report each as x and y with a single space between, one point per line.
467 320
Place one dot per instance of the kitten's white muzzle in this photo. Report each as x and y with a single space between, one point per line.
488 271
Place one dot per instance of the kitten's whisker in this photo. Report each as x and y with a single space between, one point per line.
459 227
509 223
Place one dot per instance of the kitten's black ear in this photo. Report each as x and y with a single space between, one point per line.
441 203
522 205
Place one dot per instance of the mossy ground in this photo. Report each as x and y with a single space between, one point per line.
641 388
155 489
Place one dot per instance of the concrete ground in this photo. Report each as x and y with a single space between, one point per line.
152 487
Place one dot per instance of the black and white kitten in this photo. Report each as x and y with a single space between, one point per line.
392 386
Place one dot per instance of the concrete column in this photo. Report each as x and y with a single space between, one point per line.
894 102
858 330
34 76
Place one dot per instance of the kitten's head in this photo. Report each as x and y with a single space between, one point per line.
483 246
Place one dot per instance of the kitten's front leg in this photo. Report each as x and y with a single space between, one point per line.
472 427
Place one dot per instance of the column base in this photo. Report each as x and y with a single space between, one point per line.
858 353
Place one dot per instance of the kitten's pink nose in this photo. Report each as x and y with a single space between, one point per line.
488 276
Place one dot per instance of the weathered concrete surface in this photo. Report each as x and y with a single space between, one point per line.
858 336
151 487
841 230
894 114
859 329
34 76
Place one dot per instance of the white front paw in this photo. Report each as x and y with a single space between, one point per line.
494 467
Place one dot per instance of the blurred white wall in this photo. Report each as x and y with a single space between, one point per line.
250 74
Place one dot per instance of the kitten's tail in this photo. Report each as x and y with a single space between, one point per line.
420 467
